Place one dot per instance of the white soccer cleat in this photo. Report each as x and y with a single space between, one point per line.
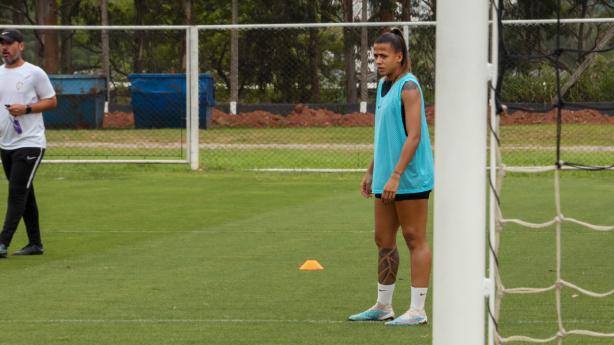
412 317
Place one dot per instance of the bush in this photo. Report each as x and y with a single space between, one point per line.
595 84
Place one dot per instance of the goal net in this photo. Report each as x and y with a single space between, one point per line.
556 68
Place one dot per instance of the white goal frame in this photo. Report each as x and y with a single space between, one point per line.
460 197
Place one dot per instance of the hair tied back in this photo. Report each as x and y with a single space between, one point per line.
396 31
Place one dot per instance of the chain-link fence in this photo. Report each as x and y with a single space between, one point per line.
87 124
299 95
532 52
300 90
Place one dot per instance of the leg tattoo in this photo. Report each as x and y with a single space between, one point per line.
388 266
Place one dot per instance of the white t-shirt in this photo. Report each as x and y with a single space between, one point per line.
25 84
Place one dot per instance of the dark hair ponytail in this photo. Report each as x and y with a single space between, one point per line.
395 38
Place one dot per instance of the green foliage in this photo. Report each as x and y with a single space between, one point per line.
275 63
596 83
422 52
539 85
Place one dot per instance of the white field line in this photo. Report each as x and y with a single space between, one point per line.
204 231
304 146
208 232
579 148
289 146
220 146
264 321
117 145
171 321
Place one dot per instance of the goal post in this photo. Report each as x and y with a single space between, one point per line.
460 179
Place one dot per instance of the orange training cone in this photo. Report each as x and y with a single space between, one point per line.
311 265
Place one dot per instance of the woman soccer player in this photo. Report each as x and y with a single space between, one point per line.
400 177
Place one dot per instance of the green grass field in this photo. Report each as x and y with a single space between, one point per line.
138 254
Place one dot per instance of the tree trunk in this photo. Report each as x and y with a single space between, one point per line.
66 36
348 53
581 41
41 9
17 16
139 38
589 58
106 58
406 17
405 10
52 54
188 13
386 13
313 54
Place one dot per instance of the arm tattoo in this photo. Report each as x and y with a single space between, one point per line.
409 86
388 266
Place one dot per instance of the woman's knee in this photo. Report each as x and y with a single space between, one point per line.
414 240
384 240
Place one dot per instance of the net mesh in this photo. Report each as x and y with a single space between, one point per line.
549 54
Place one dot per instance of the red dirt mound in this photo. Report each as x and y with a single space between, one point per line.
118 119
303 116
587 116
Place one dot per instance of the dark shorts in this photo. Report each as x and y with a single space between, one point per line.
410 196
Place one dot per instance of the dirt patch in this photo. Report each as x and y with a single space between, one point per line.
256 119
587 117
118 119
303 116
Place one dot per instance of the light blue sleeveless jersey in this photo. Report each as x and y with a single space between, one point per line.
389 139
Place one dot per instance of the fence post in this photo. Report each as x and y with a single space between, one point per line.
364 83
106 65
234 60
192 78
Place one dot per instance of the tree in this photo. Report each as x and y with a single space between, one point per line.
40 9
384 11
187 7
313 53
139 39
52 54
574 77
66 12
283 65
539 39
18 16
405 10
349 45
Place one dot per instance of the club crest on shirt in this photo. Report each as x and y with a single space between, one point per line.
19 85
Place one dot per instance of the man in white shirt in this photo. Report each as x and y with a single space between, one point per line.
25 92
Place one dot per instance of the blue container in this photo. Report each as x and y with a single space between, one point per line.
80 102
159 100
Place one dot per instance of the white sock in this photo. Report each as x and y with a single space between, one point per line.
418 296
384 294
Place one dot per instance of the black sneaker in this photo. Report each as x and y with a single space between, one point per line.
2 251
30 249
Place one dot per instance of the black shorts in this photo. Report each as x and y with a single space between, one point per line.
410 196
